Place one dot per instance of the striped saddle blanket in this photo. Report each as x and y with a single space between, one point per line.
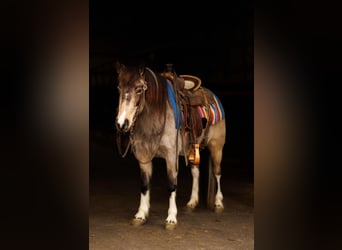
215 114
216 111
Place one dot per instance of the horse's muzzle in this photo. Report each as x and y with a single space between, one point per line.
124 127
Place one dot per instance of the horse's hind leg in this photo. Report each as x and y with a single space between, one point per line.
141 216
216 158
193 202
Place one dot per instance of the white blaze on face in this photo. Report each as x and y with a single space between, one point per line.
127 109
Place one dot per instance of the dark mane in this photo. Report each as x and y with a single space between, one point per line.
156 92
151 121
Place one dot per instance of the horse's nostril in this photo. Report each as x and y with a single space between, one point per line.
117 124
122 127
125 125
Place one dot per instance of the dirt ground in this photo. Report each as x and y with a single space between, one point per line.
114 199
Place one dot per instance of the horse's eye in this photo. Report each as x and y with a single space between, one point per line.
139 90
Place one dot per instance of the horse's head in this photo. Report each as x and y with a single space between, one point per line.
132 87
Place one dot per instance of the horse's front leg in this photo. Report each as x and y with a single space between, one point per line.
172 172
141 216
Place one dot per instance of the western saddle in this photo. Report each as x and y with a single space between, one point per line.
189 95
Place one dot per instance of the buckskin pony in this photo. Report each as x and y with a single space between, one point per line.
166 116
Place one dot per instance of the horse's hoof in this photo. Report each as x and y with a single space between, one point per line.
189 209
218 209
138 222
191 205
170 226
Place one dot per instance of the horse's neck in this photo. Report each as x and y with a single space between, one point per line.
150 122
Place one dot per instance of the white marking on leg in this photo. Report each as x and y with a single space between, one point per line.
172 212
144 206
219 196
193 202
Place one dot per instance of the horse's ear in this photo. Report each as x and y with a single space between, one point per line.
120 67
141 69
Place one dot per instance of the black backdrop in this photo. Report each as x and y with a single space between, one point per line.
215 45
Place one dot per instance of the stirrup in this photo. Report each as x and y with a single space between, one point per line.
194 154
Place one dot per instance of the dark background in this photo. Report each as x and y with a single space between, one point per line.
41 207
215 45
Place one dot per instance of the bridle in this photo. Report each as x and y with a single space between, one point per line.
140 106
141 91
